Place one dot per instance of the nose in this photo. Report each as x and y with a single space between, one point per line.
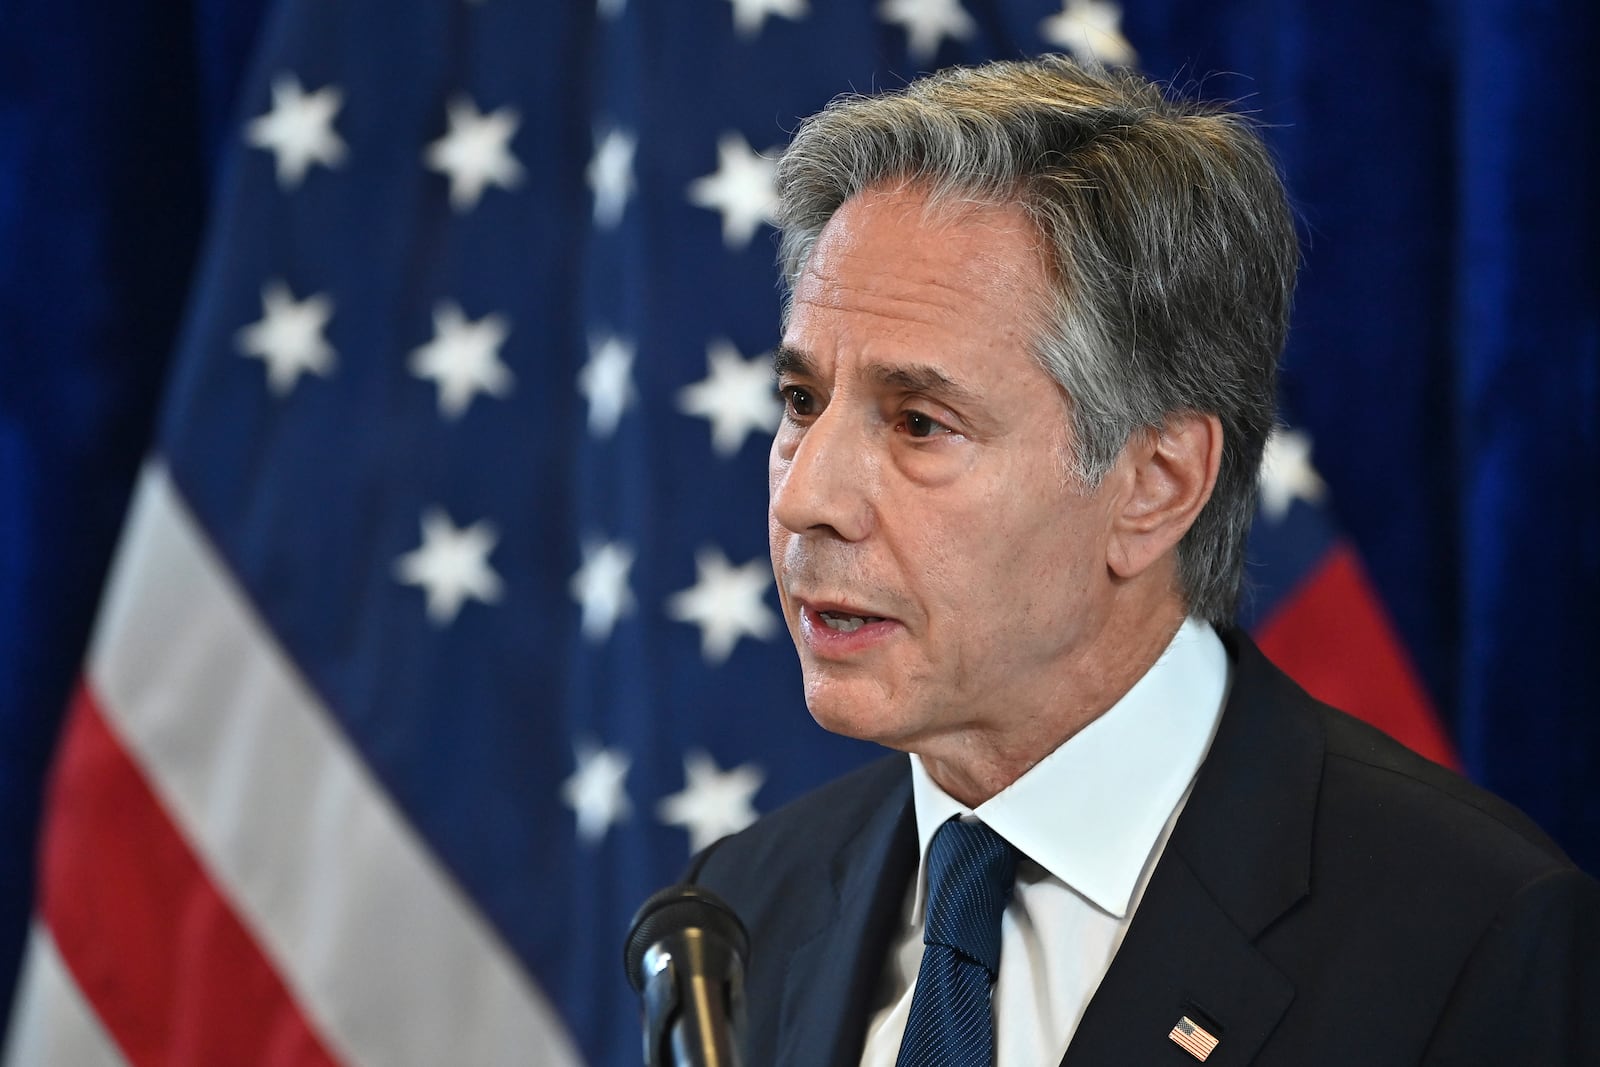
822 477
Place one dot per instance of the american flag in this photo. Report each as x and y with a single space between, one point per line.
1194 1039
442 629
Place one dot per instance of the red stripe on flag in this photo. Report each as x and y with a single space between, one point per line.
166 964
1332 636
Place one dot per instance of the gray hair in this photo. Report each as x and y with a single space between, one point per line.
1166 229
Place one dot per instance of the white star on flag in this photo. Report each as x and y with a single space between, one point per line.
742 188
1092 31
736 396
463 359
750 15
451 565
600 586
610 9
927 22
597 791
714 803
288 336
606 382
610 176
298 130
1287 474
476 152
725 602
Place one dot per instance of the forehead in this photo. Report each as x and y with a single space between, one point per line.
893 267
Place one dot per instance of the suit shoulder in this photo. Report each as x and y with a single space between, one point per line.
816 820
1382 808
1414 803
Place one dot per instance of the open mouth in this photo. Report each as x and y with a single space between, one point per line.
838 620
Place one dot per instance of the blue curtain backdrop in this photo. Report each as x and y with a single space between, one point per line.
111 116
1445 356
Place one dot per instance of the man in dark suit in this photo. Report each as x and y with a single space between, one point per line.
1029 366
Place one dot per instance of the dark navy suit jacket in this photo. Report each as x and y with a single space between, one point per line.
1327 897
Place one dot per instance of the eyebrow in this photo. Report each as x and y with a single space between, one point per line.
907 377
922 378
787 360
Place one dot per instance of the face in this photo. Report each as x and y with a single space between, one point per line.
940 571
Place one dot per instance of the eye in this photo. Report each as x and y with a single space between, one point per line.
919 425
799 403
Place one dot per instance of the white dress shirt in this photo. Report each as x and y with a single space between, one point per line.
1091 820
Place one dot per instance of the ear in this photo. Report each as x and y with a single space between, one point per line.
1169 475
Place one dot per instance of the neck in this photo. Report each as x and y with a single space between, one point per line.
978 763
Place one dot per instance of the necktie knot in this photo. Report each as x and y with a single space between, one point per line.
971 872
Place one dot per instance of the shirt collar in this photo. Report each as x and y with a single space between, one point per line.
1090 812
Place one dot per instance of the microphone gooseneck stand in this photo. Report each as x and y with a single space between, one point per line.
685 957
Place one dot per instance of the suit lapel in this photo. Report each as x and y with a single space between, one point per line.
1183 956
1239 858
832 977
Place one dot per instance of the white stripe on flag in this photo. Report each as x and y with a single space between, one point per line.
385 954
51 1023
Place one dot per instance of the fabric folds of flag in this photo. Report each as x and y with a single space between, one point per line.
1313 610
222 877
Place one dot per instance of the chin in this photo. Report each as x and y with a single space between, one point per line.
845 725
849 711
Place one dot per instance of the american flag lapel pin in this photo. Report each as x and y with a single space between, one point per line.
1193 1038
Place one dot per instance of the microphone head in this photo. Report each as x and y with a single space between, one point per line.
673 910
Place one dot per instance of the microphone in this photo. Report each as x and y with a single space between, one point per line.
685 958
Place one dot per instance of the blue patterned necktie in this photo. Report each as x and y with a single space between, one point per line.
971 871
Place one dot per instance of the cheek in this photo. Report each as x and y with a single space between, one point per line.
777 461
1014 565
957 559
777 468
777 547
